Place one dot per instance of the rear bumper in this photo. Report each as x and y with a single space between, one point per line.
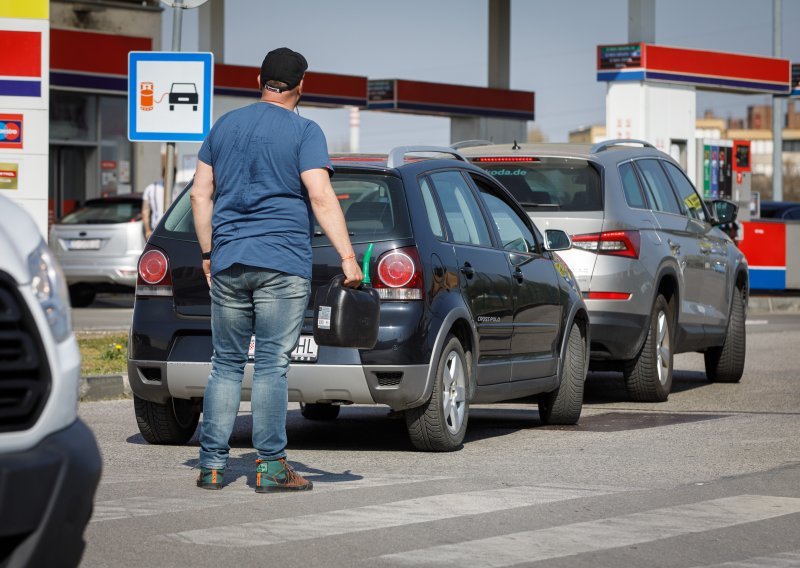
616 335
47 496
397 386
121 273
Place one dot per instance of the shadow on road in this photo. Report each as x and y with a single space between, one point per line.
608 388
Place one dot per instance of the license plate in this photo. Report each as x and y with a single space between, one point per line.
305 350
84 244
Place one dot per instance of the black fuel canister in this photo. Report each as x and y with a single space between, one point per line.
346 317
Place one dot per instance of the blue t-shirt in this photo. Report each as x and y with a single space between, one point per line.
262 215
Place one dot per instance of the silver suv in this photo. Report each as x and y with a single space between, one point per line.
49 461
658 274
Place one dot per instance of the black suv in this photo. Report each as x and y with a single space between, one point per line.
475 307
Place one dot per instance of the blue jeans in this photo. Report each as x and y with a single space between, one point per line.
244 300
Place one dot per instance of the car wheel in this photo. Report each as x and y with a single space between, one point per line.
725 364
81 295
440 424
563 405
314 411
173 423
648 378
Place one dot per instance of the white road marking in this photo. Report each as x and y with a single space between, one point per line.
782 560
130 507
603 534
756 322
371 517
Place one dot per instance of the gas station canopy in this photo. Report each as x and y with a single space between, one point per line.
419 97
705 70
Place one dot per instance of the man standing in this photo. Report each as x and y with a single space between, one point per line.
266 169
152 206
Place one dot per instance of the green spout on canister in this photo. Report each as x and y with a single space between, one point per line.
365 264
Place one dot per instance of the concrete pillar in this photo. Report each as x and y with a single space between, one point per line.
777 111
642 21
211 28
496 130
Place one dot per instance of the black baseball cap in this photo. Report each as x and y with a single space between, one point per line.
283 65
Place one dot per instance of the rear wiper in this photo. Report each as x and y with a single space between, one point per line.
540 205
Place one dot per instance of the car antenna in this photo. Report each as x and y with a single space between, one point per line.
515 146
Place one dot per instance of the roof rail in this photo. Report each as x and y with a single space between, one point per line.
606 144
397 155
470 144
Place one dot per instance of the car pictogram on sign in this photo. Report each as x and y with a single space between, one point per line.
183 94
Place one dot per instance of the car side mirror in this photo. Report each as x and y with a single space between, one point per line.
724 211
556 239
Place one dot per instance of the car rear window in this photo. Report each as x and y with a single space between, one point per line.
562 184
103 212
374 209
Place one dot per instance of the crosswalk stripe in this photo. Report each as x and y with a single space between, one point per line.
371 517
145 506
782 560
602 534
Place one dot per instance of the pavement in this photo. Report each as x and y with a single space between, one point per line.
111 387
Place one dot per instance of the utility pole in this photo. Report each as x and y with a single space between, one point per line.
169 177
777 111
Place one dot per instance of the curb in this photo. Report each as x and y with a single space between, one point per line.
774 304
104 387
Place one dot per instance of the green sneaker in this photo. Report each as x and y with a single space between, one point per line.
210 478
277 475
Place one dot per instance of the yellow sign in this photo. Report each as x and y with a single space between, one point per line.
39 9
9 175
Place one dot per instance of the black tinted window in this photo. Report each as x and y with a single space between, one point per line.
631 187
462 213
559 183
658 188
374 209
100 212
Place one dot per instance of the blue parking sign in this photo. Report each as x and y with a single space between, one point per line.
169 96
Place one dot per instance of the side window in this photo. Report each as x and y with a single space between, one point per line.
514 232
658 188
430 208
687 194
461 212
631 187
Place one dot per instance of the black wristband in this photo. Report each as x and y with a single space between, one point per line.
206 255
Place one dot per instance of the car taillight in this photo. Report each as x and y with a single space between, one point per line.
615 243
154 277
399 275
496 159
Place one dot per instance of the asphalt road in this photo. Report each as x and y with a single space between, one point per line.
709 478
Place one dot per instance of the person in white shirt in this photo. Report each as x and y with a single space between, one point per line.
152 206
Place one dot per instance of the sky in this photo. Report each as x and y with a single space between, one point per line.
553 46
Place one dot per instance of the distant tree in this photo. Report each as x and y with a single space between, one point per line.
535 135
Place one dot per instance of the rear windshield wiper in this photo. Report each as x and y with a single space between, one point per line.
532 205
321 234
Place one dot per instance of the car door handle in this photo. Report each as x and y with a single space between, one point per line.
519 275
467 270
676 247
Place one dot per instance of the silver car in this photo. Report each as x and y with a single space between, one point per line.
658 274
99 245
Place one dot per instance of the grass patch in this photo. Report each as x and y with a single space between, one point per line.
105 354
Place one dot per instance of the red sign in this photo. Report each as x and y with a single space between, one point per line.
108 165
11 131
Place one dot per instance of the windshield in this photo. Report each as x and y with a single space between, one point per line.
374 209
98 212
561 184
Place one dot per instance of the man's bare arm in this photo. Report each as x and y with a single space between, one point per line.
329 215
202 207
148 230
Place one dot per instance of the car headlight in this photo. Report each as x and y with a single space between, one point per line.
50 288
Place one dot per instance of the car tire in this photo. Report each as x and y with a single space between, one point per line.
440 424
81 295
314 411
563 405
725 364
648 378
173 423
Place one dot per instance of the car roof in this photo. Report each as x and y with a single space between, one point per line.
601 152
